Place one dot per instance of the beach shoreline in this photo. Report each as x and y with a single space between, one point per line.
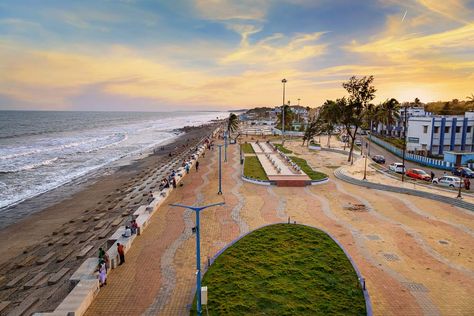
100 194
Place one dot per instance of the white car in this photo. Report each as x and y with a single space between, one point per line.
358 142
397 167
449 181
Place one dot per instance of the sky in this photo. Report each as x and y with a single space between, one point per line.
144 55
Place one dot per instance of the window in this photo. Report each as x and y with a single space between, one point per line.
446 129
425 129
458 129
436 129
468 130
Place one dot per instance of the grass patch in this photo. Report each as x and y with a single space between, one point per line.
247 148
283 149
283 269
303 164
253 168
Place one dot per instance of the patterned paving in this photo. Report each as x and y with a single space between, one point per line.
395 243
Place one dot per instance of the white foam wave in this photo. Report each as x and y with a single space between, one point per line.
29 166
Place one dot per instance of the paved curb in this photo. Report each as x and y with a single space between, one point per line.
368 303
371 185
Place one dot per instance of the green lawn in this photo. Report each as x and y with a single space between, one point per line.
314 175
247 148
283 149
253 168
283 269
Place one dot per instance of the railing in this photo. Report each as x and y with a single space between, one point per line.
422 160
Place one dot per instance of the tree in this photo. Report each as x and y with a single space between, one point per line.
470 99
361 92
313 129
390 112
329 114
289 117
417 102
232 123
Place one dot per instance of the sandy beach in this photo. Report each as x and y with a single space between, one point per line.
87 217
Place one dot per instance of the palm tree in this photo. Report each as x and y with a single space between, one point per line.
329 114
390 112
417 102
232 123
470 99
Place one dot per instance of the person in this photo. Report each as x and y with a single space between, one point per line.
432 175
121 253
187 167
102 273
128 232
467 183
101 253
197 165
174 183
106 261
134 227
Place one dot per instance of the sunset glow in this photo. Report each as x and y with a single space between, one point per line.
217 54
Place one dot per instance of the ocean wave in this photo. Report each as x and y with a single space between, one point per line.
74 144
29 166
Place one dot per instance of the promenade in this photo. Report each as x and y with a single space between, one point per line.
415 254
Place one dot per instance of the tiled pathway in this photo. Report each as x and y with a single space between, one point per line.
417 255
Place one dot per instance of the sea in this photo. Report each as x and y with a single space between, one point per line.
41 150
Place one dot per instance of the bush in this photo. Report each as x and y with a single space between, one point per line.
253 168
283 149
303 164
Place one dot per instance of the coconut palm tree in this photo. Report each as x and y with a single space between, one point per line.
232 123
470 99
390 113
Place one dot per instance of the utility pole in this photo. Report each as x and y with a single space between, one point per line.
365 163
404 140
220 170
197 210
283 114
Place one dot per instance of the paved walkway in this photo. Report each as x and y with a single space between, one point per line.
416 254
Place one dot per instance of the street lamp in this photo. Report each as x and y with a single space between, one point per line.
283 114
198 249
365 163
404 141
461 180
225 146
220 170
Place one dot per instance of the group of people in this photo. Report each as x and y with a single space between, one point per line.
131 229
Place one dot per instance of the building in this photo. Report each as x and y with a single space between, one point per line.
397 129
436 134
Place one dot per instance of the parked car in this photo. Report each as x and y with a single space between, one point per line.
379 159
397 167
463 172
449 181
358 142
418 174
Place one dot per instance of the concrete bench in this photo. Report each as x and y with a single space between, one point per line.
86 271
86 237
62 256
81 230
142 222
139 211
24 306
115 236
45 258
68 231
57 276
84 251
16 280
104 233
99 216
31 283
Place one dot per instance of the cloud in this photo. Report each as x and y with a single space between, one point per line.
277 49
230 10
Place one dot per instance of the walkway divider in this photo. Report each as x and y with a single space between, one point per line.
85 280
339 173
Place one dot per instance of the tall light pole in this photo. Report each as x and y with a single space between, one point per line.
404 142
198 249
283 114
220 170
225 146
365 163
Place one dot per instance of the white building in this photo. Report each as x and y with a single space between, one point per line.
396 130
437 134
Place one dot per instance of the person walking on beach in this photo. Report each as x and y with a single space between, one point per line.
187 167
197 165
121 253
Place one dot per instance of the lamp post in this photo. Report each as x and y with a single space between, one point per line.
404 141
460 184
298 110
283 114
198 249
365 163
220 170
225 146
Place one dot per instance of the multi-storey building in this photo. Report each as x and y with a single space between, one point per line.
437 134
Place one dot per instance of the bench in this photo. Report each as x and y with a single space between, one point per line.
104 233
58 276
16 280
26 262
45 258
31 283
81 230
86 271
86 237
84 251
116 222
79 299
99 216
67 240
68 231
